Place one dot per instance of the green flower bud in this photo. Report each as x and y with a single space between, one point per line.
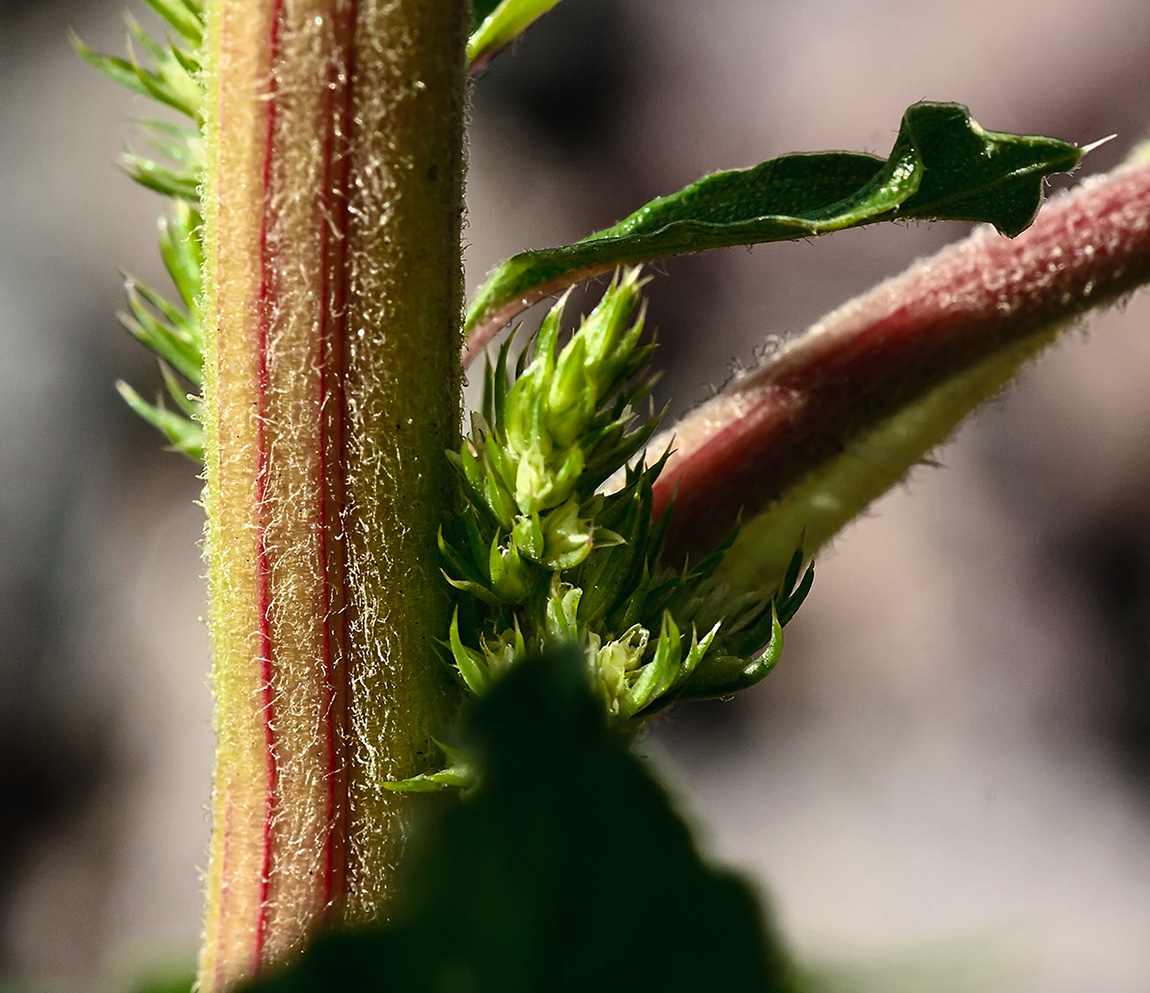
528 535
470 663
510 576
616 661
540 483
573 396
567 537
504 650
562 610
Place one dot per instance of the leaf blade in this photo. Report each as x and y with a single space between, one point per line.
943 166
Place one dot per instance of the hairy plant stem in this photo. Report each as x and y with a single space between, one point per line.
803 444
332 205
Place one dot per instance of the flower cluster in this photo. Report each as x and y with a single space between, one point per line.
539 553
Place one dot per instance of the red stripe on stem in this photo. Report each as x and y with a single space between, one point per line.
331 362
266 300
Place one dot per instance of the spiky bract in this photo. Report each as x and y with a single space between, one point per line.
170 329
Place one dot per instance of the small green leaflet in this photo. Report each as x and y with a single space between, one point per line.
944 166
501 26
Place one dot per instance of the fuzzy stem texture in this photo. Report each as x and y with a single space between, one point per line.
332 206
803 444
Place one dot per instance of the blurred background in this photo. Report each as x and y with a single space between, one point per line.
946 783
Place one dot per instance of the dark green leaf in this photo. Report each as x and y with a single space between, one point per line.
789 605
943 166
567 870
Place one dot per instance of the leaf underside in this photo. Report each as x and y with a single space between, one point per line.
944 166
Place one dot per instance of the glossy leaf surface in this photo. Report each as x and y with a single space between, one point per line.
943 166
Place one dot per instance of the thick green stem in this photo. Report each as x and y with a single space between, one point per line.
332 203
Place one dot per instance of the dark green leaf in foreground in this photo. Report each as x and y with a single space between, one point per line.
943 167
566 871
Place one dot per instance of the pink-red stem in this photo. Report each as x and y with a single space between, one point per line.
743 450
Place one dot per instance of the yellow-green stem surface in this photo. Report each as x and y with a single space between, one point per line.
332 208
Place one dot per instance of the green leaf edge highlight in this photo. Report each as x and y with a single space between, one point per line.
502 26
